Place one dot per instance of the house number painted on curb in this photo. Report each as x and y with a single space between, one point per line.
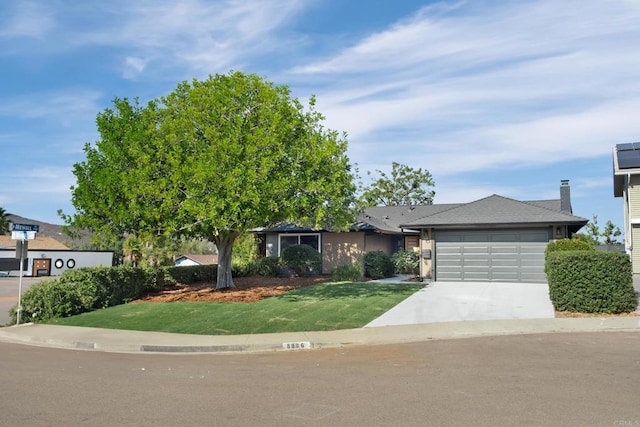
300 345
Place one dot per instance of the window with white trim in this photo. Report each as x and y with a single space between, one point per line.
310 239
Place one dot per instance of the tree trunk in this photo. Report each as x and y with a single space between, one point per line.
224 242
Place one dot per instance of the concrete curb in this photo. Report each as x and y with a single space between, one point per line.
119 341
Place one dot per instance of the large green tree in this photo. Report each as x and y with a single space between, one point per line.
213 159
404 186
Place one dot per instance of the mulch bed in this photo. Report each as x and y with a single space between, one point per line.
247 289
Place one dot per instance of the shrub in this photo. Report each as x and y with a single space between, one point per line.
55 298
590 281
157 279
406 262
193 273
266 266
302 259
86 289
377 264
569 245
347 273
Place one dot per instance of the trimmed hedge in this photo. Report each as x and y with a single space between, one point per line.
569 245
87 289
266 266
378 264
302 259
193 273
590 281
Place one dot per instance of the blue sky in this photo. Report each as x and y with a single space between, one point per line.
492 97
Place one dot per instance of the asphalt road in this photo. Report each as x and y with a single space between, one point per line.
552 379
9 289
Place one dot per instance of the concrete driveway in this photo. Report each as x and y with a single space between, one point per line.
458 301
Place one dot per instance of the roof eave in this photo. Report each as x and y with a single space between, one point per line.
581 223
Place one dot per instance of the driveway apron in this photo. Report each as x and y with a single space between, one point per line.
460 301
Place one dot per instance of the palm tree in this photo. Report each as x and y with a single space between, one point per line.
4 222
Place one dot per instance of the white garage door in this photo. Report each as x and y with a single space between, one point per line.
491 255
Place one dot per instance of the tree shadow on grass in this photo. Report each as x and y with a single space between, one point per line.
327 291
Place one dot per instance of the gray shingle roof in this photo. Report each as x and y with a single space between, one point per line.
491 211
497 210
388 218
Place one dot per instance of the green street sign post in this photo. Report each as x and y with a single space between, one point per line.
22 233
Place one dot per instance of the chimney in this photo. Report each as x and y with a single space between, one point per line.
565 197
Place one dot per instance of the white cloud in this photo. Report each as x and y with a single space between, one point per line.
133 66
38 178
26 19
198 35
62 106
470 89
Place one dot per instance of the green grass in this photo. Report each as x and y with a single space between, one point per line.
322 307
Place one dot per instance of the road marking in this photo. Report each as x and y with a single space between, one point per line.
10 299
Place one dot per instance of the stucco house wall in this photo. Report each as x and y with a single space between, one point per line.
379 242
341 248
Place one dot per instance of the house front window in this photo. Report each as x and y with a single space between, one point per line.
287 240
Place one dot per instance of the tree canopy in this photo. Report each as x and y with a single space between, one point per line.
213 159
404 186
4 221
608 235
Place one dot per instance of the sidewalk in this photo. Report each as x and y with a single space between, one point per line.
119 341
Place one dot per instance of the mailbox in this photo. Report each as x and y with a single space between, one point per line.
426 253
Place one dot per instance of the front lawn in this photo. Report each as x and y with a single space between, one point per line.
322 307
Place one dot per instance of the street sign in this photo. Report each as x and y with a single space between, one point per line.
23 235
25 227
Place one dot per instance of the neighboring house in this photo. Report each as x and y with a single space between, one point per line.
495 238
626 184
48 257
187 260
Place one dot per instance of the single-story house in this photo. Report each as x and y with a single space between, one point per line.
626 184
48 257
193 259
491 239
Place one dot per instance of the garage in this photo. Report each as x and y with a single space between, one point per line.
511 255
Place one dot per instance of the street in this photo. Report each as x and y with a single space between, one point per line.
545 379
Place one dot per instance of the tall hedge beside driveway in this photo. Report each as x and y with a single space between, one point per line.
590 282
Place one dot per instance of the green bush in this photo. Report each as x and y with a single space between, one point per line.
569 245
157 279
590 281
302 260
377 264
193 273
347 273
86 289
266 266
55 298
406 262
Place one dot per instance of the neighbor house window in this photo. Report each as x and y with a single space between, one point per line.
287 240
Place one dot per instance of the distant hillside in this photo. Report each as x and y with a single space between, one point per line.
51 230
